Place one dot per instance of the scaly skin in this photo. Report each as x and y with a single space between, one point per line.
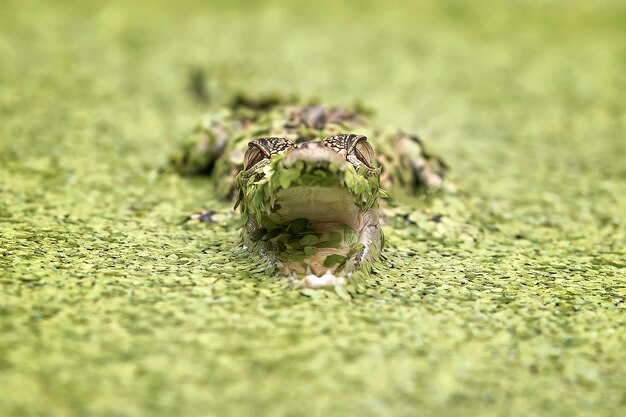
307 180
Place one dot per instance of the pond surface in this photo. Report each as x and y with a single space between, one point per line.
512 303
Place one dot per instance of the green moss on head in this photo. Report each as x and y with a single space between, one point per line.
258 188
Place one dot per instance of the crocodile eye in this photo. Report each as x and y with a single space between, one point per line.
253 156
364 152
264 148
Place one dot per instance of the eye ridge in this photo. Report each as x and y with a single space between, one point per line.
350 143
264 148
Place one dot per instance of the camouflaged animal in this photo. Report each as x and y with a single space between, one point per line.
307 180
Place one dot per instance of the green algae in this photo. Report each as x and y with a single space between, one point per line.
258 189
504 297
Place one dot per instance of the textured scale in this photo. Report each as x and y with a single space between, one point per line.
218 145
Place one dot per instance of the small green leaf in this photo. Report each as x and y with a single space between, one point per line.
334 238
340 290
309 240
355 249
299 225
332 260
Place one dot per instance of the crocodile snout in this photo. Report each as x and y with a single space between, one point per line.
313 152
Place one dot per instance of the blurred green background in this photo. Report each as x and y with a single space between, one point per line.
108 307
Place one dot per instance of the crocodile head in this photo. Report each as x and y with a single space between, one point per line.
312 206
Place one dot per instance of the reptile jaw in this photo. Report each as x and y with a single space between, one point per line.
313 153
313 212
317 204
337 234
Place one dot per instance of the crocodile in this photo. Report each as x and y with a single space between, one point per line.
308 181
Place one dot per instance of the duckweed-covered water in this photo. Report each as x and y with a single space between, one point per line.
505 297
